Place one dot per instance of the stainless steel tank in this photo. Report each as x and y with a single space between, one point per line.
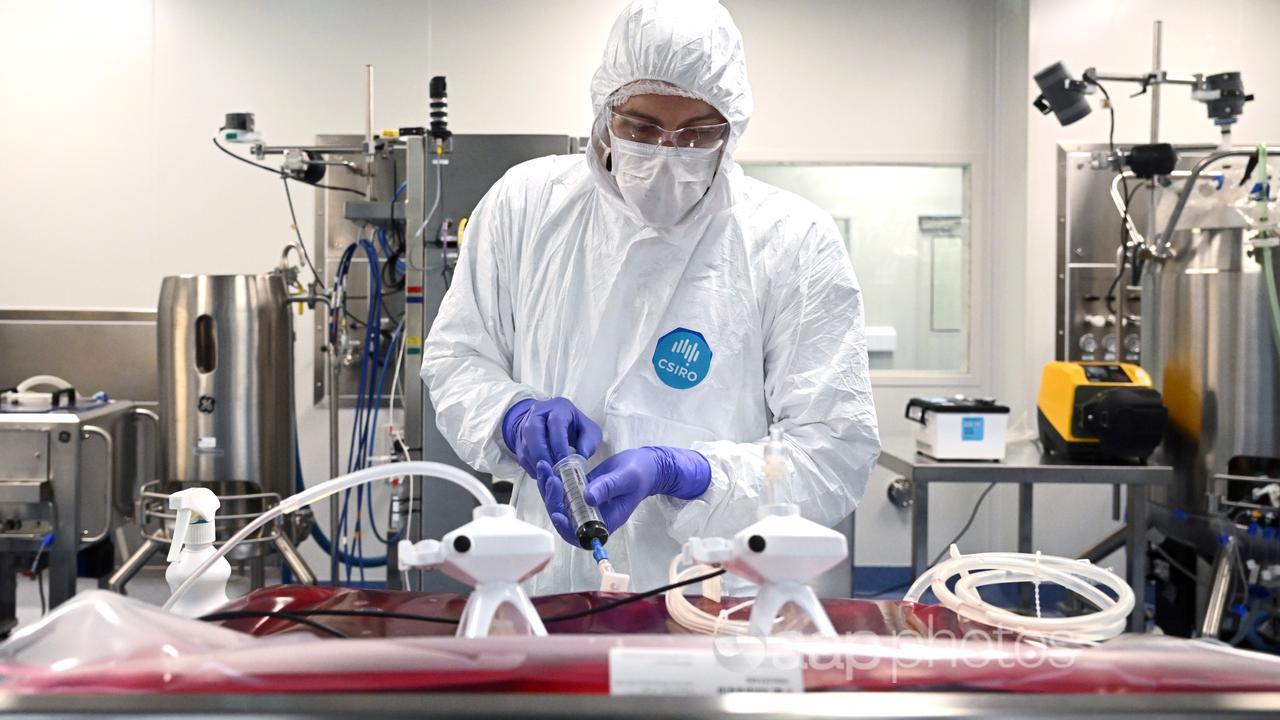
225 347
1206 340
226 400
226 380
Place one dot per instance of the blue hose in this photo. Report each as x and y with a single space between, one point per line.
317 534
357 453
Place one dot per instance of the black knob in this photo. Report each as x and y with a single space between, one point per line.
756 543
462 543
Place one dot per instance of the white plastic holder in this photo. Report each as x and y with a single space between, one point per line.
783 553
493 553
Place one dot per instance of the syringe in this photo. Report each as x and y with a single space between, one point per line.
585 519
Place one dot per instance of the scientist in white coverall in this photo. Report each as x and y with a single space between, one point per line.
652 308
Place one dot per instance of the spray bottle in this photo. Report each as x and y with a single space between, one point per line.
193 536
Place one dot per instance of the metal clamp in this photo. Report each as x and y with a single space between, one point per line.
111 481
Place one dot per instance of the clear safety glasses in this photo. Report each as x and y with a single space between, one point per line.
697 136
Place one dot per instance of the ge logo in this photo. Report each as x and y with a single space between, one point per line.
206 403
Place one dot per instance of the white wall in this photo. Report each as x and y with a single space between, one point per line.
108 168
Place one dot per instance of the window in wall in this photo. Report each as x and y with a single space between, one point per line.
907 230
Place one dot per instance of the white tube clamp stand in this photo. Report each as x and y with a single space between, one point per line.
492 553
782 553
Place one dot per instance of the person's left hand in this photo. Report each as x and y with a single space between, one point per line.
619 483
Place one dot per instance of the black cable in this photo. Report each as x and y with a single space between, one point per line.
286 176
293 617
972 515
968 524
632 598
302 246
1124 242
301 615
44 605
1114 159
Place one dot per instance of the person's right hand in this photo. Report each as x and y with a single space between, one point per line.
548 431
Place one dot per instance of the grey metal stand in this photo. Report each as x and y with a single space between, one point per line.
1025 466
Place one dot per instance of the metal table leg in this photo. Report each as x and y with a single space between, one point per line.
1136 555
8 593
257 572
919 527
1026 507
853 559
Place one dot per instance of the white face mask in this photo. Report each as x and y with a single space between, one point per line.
661 184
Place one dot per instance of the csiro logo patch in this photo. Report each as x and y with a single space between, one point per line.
682 358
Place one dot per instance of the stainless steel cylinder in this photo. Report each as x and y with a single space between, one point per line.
226 381
1206 340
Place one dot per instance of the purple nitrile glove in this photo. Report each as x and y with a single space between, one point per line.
618 484
548 431
552 491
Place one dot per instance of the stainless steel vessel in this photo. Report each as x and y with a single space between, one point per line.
226 381
225 350
1207 344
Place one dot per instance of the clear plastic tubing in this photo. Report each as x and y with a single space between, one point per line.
587 525
337 485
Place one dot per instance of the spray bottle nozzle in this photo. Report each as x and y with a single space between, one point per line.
196 507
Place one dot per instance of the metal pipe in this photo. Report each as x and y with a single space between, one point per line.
1105 546
1119 77
1118 199
339 163
1217 605
1156 42
332 359
322 149
293 560
1161 250
368 134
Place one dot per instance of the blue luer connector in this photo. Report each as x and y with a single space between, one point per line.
597 550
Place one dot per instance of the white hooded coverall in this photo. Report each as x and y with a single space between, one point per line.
560 291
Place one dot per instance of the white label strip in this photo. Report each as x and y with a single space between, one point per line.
668 671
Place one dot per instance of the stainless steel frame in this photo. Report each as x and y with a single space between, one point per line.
1026 467
471 165
57 483
758 706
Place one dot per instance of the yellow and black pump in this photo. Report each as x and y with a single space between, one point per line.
1099 410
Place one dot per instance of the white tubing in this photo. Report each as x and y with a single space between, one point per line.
337 485
1079 576
694 619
